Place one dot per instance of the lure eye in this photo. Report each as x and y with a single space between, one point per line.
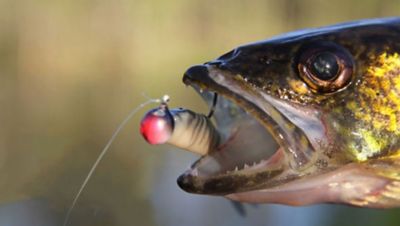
157 125
326 68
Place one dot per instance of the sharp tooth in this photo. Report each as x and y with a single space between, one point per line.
201 90
195 172
246 166
236 168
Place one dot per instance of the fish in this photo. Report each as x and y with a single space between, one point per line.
328 98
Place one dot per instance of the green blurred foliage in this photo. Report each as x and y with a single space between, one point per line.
71 70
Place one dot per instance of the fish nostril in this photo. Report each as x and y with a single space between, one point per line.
196 72
214 63
229 55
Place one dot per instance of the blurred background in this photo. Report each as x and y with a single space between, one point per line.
70 71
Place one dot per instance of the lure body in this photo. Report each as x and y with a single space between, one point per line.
180 127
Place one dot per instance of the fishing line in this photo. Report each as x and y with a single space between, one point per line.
214 104
164 99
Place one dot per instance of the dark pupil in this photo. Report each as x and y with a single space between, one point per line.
324 66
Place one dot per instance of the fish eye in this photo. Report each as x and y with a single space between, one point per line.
326 68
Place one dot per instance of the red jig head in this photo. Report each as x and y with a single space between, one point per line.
157 125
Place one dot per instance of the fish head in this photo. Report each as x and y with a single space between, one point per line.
299 114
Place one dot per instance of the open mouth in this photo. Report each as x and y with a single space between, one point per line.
260 147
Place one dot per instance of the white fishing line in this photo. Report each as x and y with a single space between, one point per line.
164 99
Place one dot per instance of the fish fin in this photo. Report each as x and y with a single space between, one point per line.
385 196
239 207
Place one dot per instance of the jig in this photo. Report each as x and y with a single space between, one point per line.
179 127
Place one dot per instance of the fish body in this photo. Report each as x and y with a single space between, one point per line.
329 97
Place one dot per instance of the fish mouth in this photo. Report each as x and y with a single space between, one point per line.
262 142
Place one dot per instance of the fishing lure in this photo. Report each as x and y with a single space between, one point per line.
179 127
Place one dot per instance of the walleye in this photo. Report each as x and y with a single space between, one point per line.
329 97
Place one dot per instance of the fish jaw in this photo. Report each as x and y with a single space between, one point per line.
295 157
